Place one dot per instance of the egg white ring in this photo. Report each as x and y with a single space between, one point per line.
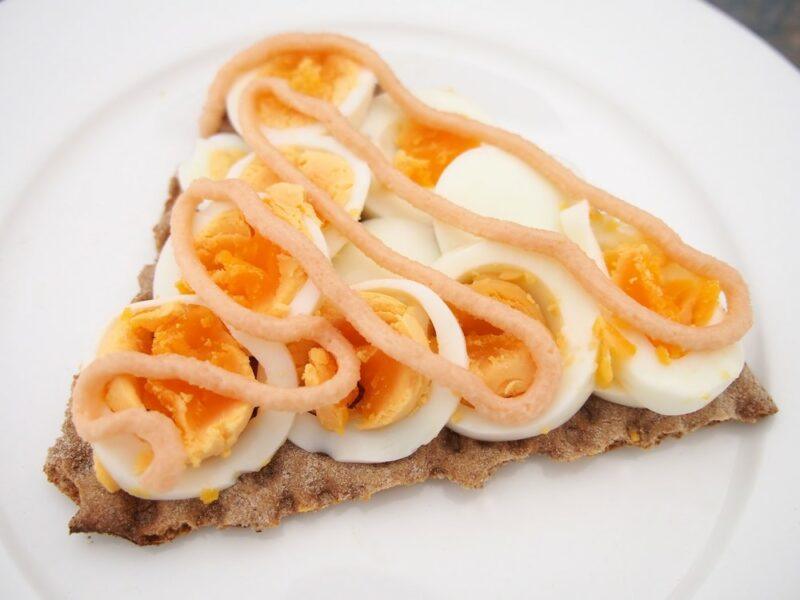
402 438
408 237
578 313
655 387
196 166
255 447
382 203
354 106
362 175
493 183
576 225
167 272
617 395
380 126
684 385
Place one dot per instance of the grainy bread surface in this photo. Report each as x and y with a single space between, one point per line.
298 481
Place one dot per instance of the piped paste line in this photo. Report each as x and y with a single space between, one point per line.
731 328
404 350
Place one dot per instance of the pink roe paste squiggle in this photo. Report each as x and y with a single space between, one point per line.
731 328
356 310
94 421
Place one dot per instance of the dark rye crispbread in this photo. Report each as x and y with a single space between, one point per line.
298 481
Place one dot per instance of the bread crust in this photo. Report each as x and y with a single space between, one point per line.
297 481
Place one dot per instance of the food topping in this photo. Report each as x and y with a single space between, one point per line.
175 377
248 267
424 152
209 424
691 337
326 76
388 390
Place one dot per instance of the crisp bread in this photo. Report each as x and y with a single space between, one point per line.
298 481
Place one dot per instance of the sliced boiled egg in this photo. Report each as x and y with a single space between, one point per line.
331 77
251 269
394 410
212 158
421 152
325 162
542 289
493 183
412 239
670 386
632 369
222 437
576 225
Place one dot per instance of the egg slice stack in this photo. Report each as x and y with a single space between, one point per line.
598 355
394 410
224 438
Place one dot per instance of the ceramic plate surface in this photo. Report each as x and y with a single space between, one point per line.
667 104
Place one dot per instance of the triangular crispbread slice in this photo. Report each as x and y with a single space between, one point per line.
297 481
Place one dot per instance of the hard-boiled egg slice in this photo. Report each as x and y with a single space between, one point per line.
123 458
575 224
644 375
278 285
325 162
493 183
674 386
212 158
402 437
540 287
420 152
410 238
327 76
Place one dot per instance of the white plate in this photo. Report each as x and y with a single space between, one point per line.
668 104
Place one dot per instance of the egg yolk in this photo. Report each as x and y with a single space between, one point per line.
641 271
388 391
612 347
329 171
220 162
499 359
248 267
423 152
645 274
209 424
327 76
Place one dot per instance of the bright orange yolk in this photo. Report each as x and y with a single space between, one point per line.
388 391
330 77
248 267
643 272
499 359
423 153
209 423
329 171
502 362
